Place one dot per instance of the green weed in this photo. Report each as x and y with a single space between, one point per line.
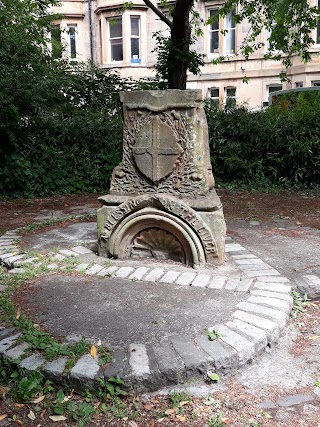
299 304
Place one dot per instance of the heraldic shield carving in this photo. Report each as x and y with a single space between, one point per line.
156 150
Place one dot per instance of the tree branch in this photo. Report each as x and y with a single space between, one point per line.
159 13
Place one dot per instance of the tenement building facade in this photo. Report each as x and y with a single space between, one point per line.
121 39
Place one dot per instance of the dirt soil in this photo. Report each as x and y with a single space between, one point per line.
300 208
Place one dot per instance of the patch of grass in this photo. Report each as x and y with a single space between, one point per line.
299 304
39 225
177 397
213 335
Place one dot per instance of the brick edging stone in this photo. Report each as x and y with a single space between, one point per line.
254 325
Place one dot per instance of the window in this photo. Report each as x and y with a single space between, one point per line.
214 34
274 88
299 84
230 95
135 39
268 35
214 95
315 83
115 39
230 26
56 44
72 31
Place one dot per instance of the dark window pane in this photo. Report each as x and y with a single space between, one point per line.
231 91
116 50
214 92
135 25
115 27
214 42
72 35
135 48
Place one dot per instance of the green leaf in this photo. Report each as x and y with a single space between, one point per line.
213 376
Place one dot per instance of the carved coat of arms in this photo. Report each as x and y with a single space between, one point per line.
156 150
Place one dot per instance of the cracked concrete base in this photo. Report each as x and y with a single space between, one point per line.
246 301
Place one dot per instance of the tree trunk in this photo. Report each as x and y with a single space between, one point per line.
178 57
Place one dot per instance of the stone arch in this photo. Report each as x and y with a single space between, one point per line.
165 235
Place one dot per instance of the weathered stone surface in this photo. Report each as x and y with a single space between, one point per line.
86 368
15 353
32 362
310 285
271 328
170 276
8 342
117 365
224 356
166 161
139 360
275 315
196 361
295 399
56 367
170 364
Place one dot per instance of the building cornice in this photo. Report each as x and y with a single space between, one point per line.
106 8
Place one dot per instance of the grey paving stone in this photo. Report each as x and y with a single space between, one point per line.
244 285
255 273
3 288
170 364
15 258
274 287
117 365
249 261
270 294
6 332
244 256
15 353
267 404
108 271
261 267
8 342
139 273
232 282
33 362
56 367
170 276
86 368
81 250
59 257
94 269
52 266
270 302
224 356
154 274
139 360
67 252
196 361
26 261
201 280
256 335
217 282
312 278
123 272
229 239
271 328
82 267
17 270
234 247
275 315
295 399
186 278
275 279
244 347
3 257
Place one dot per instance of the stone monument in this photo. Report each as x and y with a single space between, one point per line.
162 203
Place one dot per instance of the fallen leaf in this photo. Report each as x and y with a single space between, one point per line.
19 422
38 399
19 405
32 416
170 411
57 417
93 351
226 420
99 343
154 400
18 314
184 402
151 424
213 376
148 407
160 420
181 418
314 337
3 416
132 424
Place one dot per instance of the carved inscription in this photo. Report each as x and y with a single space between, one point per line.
170 205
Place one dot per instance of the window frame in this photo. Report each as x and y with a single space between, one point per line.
211 31
228 33
75 27
110 39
